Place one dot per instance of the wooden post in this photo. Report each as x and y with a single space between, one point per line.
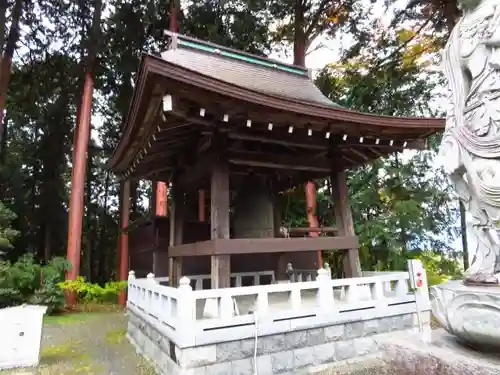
219 214
125 214
281 259
176 234
312 219
344 222
201 205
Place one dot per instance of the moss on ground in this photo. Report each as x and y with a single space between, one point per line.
115 337
87 344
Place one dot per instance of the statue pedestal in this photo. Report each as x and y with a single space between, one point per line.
471 313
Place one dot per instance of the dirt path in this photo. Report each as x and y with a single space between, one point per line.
87 344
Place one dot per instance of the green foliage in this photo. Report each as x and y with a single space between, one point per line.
439 268
26 281
398 208
7 234
89 292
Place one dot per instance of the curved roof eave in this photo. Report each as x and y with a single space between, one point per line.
150 64
173 71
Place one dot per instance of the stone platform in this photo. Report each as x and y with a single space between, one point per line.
294 352
472 313
443 356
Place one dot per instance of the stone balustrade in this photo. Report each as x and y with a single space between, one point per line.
238 279
179 312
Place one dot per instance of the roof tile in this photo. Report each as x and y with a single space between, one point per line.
250 76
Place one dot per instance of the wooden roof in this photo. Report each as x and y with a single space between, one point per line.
273 115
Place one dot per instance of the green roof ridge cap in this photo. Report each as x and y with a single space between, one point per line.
196 44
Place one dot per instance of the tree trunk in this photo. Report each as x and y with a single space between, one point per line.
101 250
299 39
80 153
3 16
175 6
90 211
6 62
299 58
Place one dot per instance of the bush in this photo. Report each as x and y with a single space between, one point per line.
94 293
7 234
439 268
26 281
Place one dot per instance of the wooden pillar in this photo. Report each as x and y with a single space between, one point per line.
312 219
281 259
201 205
344 222
124 221
177 214
159 207
219 215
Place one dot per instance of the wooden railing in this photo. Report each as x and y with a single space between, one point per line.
181 313
238 279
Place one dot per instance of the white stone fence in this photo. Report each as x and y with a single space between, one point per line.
238 279
198 317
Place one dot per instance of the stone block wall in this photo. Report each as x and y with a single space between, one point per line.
286 353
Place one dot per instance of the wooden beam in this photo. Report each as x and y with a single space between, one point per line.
219 213
362 155
224 247
284 139
176 233
201 168
277 161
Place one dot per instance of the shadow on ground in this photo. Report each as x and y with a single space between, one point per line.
87 344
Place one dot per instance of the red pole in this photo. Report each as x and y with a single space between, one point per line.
310 191
124 238
77 185
161 199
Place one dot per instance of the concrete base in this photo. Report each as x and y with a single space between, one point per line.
304 351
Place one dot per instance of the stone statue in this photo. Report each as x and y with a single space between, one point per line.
470 148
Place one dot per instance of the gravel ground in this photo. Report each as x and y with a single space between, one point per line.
87 344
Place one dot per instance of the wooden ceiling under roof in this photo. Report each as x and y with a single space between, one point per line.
271 115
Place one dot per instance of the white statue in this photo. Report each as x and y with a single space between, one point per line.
471 143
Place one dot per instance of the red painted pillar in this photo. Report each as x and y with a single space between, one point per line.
77 184
125 214
161 200
310 191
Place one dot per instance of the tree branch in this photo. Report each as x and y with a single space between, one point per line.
315 18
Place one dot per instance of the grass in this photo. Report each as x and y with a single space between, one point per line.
69 318
82 313
115 337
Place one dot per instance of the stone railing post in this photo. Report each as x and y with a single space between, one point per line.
378 294
131 290
186 312
325 297
328 270
290 273
150 291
